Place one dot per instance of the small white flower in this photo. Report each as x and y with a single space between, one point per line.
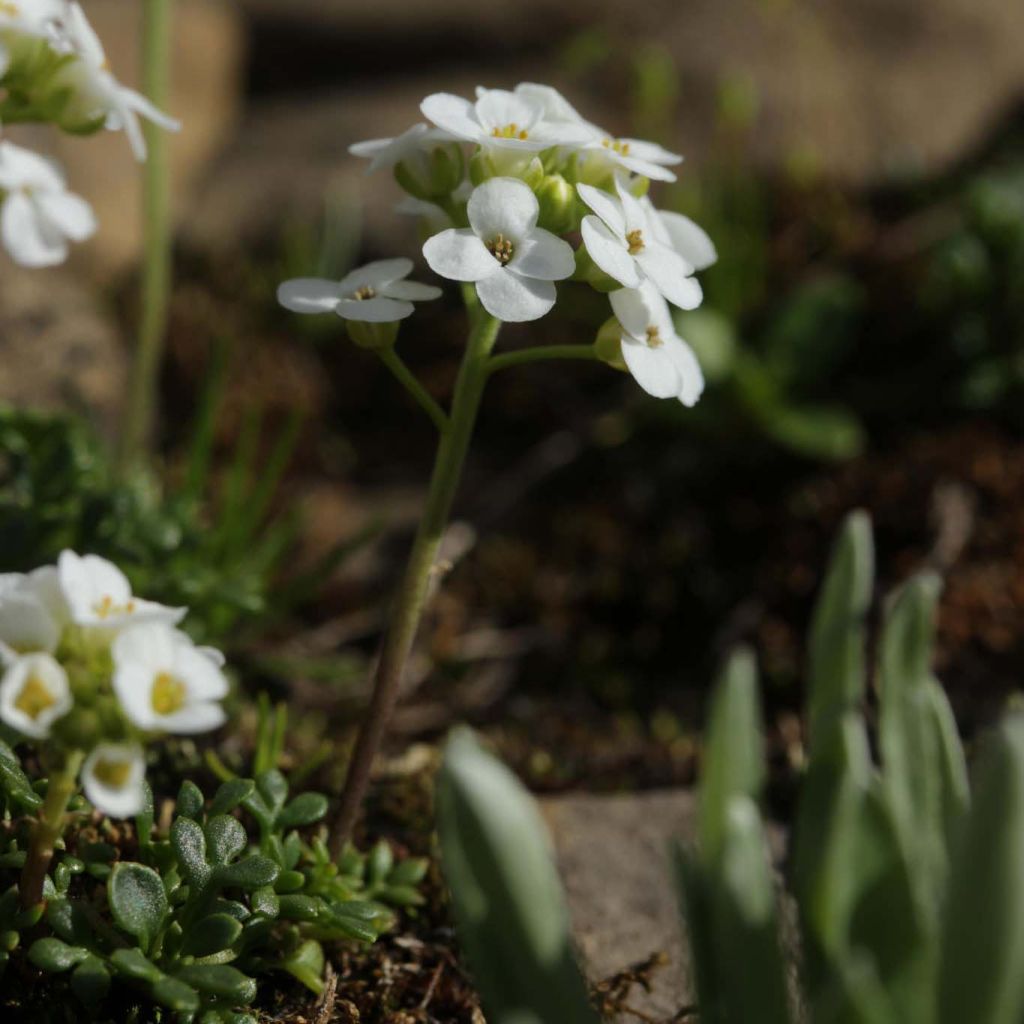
687 237
113 777
32 613
165 683
34 693
623 243
410 145
555 107
376 293
97 94
512 261
500 120
38 213
659 360
98 594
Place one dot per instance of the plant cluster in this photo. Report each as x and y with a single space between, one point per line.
908 887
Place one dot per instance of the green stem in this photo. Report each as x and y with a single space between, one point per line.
413 590
393 361
540 354
49 828
142 400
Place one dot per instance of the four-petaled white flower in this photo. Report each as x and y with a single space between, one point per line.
32 613
623 243
659 360
34 693
96 94
164 683
410 145
38 213
113 778
511 261
376 293
500 120
98 594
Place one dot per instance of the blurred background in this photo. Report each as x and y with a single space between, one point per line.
860 165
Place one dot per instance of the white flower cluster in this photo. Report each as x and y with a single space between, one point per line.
545 195
53 69
87 665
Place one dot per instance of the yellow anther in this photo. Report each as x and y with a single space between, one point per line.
510 131
364 293
114 774
35 698
168 694
616 146
501 249
654 339
635 240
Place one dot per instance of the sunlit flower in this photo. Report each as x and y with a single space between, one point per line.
165 683
410 145
96 94
32 613
623 243
659 360
113 778
98 594
376 293
633 155
678 232
34 693
511 261
38 213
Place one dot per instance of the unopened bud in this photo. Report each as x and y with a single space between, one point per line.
374 336
557 200
432 175
608 344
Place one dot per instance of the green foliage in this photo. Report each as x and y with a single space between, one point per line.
908 890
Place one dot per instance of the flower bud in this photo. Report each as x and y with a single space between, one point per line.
81 728
608 344
481 168
374 336
557 200
432 175
588 272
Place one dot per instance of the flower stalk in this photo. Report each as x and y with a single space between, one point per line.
412 593
140 413
49 828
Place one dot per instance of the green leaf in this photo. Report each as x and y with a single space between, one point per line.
219 980
90 981
306 965
303 810
273 787
175 995
15 783
225 838
189 845
144 819
695 905
133 964
299 908
265 901
190 801
379 862
289 881
137 901
211 935
410 871
54 956
230 795
250 873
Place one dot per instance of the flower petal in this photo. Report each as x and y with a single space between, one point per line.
633 212
459 255
515 299
691 377
28 238
122 798
375 275
70 214
411 291
645 168
380 310
498 108
505 206
633 309
605 206
545 256
688 239
652 368
670 274
309 295
453 114
651 152
609 252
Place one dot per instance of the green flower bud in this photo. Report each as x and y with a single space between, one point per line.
373 336
432 175
588 272
81 728
558 210
532 173
481 168
608 344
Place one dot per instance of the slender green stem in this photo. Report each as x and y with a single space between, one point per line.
413 590
48 829
540 354
393 361
142 400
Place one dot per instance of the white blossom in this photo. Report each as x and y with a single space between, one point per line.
659 360
99 595
678 232
113 778
165 683
512 262
376 293
32 613
34 693
410 145
25 18
623 243
38 214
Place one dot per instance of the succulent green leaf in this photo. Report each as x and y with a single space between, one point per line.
132 963
145 818
305 809
265 901
14 783
410 871
299 907
175 995
306 965
225 838
249 873
289 881
212 934
137 901
231 795
219 980
54 956
379 863
273 788
189 845
190 801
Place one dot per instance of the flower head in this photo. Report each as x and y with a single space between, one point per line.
410 145
164 683
34 693
99 595
659 360
624 243
37 213
376 293
512 261
113 778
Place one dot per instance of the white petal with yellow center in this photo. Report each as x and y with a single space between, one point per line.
113 779
34 693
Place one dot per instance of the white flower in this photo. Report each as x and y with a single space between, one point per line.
97 94
512 261
34 693
32 613
165 683
38 214
98 594
113 777
687 237
659 360
623 243
500 120
376 293
410 145
555 107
